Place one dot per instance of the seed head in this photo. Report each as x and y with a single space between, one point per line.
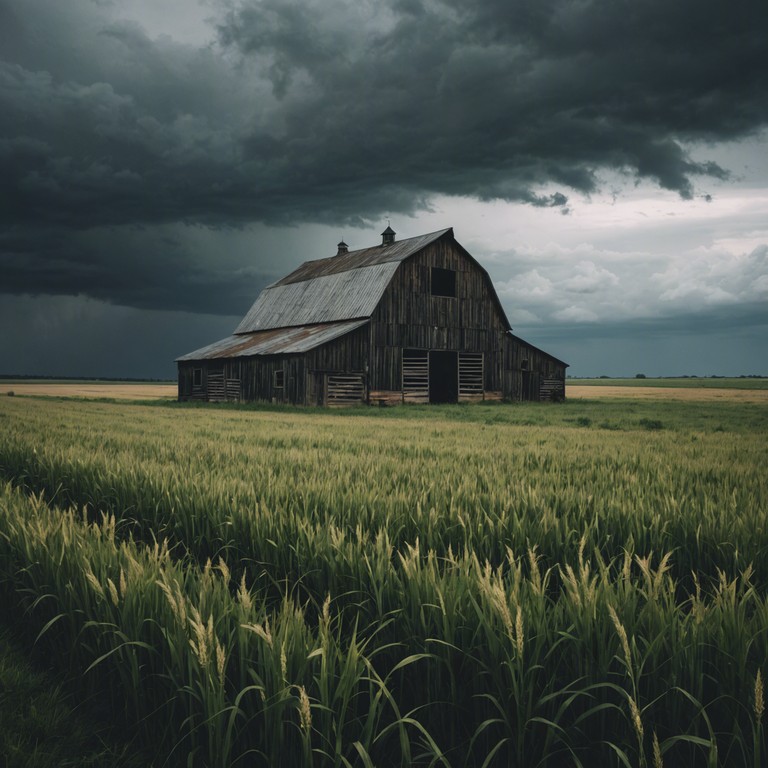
222 567
759 697
657 761
244 596
327 610
113 592
627 566
262 632
305 712
622 636
637 721
221 661
94 582
533 559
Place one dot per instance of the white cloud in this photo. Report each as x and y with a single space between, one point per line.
714 276
576 314
590 278
519 316
526 285
614 260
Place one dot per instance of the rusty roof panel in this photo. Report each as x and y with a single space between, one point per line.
276 341
366 257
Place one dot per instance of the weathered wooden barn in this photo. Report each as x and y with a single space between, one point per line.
408 321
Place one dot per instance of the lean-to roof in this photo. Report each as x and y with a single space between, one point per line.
277 341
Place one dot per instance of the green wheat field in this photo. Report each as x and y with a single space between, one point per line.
582 584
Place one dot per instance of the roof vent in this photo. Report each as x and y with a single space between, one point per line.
343 248
388 236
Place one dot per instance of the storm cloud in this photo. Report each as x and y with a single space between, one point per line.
120 144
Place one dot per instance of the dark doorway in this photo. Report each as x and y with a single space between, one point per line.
443 377
530 385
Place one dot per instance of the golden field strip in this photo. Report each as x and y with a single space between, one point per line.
689 394
91 390
598 389
490 585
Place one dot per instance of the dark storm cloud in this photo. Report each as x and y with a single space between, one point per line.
748 317
133 268
663 346
339 111
491 98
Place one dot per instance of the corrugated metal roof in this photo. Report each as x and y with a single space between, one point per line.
365 257
277 341
342 287
341 296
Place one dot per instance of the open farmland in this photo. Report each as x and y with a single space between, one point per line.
744 390
523 585
91 390
688 394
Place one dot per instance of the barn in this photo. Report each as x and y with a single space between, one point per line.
406 321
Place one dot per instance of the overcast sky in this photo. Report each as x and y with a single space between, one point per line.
161 161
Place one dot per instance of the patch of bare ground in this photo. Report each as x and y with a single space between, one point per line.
689 394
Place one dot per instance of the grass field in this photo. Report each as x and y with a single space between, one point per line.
42 727
528 585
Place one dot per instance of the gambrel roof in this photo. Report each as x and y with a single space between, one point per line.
343 287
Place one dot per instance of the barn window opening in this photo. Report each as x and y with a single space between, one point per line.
443 282
197 377
279 379
524 365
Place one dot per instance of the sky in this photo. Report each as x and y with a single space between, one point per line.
162 161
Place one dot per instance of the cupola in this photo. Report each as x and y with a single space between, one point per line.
388 236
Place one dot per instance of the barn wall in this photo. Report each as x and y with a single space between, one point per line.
410 317
211 380
345 355
254 378
530 373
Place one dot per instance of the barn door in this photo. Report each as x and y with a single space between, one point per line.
222 388
443 377
217 392
344 389
530 385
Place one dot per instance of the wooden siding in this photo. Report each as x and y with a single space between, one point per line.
471 387
347 355
410 317
253 378
530 373
415 368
